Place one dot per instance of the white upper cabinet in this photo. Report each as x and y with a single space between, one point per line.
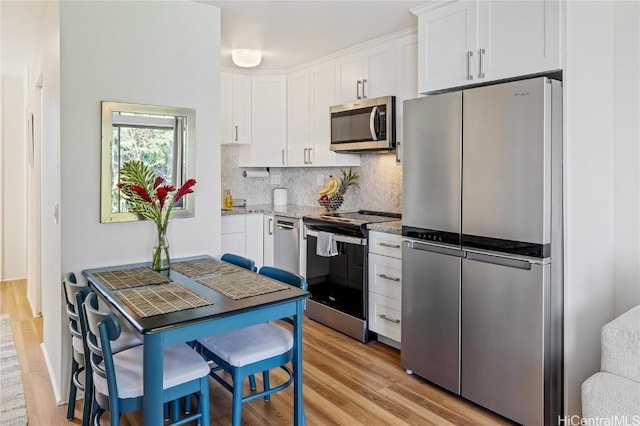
310 93
468 42
519 37
298 118
268 124
367 74
322 80
235 92
406 80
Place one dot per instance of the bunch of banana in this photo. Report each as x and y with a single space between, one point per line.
331 188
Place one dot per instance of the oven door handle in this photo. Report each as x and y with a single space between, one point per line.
341 238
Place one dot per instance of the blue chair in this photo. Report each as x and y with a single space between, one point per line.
118 377
240 261
75 295
251 350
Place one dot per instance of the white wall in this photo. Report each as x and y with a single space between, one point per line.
14 249
626 86
161 53
589 182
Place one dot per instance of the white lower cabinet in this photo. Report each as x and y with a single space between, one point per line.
268 255
242 234
385 284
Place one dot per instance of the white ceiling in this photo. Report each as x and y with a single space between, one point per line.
292 32
287 32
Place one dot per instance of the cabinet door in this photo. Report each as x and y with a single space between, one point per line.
268 124
447 36
349 75
380 64
298 118
254 238
518 38
322 79
241 110
268 254
407 79
226 109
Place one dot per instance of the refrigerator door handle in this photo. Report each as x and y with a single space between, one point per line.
498 260
416 245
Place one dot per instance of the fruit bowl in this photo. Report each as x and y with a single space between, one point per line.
332 203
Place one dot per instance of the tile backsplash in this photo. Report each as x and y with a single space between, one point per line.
380 182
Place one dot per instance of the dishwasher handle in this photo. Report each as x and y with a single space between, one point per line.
434 248
285 224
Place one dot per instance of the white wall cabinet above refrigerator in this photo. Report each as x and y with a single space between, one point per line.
468 42
236 108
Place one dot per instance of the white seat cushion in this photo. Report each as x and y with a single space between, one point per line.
128 339
181 364
250 344
77 345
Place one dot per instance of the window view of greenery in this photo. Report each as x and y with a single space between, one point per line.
146 138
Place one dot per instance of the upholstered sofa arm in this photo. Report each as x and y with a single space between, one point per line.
621 345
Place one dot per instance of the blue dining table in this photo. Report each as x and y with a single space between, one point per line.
222 315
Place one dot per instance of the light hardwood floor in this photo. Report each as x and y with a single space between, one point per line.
345 383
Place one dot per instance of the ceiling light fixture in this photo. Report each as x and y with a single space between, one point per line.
246 58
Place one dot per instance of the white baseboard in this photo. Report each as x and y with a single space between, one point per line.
35 313
52 378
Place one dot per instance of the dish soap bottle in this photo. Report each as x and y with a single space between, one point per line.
227 202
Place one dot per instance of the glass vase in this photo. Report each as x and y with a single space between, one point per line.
161 259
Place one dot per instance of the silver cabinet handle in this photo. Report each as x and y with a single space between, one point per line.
304 156
283 157
393 320
387 277
469 75
270 226
236 133
398 159
358 83
310 150
364 81
389 245
482 52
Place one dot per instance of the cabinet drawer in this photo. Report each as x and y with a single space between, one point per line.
232 224
385 276
384 316
385 244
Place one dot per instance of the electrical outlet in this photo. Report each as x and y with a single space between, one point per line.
275 179
320 180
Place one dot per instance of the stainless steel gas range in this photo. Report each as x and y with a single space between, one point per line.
338 278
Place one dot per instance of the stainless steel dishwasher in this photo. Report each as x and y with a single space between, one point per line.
286 244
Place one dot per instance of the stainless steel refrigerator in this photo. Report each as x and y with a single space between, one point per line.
482 252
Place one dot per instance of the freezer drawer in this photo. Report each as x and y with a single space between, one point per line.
504 327
430 313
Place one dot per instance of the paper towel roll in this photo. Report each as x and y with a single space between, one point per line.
255 173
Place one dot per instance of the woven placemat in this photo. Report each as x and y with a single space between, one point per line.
129 278
161 299
202 267
242 284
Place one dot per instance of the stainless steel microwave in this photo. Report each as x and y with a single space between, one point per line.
364 125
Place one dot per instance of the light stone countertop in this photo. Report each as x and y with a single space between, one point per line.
290 210
393 227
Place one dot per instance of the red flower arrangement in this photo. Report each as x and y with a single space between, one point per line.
148 196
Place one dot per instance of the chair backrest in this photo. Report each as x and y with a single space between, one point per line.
240 261
284 276
102 328
74 295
